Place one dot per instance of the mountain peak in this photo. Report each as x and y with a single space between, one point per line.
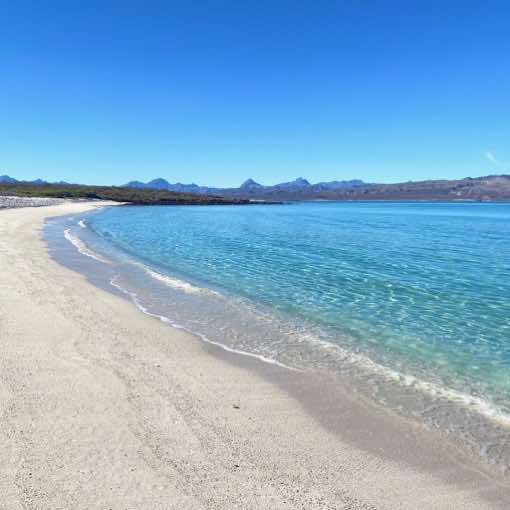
135 184
158 183
250 184
8 180
300 182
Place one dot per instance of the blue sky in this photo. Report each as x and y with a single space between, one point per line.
215 92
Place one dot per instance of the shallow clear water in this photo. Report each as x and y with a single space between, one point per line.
419 292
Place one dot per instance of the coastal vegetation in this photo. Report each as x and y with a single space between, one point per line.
114 193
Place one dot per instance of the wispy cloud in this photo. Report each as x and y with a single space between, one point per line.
490 156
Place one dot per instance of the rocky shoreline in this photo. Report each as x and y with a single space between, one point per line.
13 202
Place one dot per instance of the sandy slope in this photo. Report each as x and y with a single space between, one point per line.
104 407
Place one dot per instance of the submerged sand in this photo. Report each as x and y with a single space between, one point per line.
105 407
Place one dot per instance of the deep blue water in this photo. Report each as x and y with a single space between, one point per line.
423 289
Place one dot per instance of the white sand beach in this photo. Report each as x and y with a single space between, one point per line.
105 407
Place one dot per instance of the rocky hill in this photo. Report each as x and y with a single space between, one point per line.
491 187
487 188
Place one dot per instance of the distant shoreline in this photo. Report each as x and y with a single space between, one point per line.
160 191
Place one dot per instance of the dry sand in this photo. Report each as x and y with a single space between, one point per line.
104 407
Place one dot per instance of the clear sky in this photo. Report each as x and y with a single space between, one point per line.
218 91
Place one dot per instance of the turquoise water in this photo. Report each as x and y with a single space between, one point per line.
421 290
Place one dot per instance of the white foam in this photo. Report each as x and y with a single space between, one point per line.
166 320
175 283
364 362
83 248
410 381
82 224
179 284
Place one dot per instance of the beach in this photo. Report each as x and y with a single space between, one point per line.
105 407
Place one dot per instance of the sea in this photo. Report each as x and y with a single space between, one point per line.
409 301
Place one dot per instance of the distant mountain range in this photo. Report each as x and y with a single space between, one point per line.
490 187
5 179
165 185
248 187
